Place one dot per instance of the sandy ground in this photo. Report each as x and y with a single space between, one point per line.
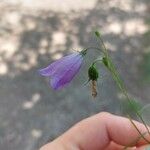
33 33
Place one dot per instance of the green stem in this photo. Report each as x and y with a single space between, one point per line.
119 82
122 88
138 129
97 60
93 48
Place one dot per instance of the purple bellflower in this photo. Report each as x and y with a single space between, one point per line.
62 71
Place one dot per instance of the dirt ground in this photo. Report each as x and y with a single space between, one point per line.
34 33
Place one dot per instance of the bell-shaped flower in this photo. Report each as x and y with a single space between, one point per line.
62 71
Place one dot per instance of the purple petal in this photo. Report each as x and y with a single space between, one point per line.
58 65
60 70
58 82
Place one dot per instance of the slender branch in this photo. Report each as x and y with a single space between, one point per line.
138 130
98 60
122 87
96 48
119 82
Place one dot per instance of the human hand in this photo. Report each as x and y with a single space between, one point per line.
103 131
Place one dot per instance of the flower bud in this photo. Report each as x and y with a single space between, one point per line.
93 73
97 34
83 52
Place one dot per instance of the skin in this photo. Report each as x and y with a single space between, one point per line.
103 131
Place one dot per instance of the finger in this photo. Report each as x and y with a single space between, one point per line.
98 131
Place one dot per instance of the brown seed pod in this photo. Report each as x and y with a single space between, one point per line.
93 88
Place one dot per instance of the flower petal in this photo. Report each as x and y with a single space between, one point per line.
60 70
57 65
53 83
58 82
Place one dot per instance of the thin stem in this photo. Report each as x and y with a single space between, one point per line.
94 48
97 60
138 129
122 87
119 82
104 47
129 100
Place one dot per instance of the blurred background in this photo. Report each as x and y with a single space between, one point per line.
33 33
